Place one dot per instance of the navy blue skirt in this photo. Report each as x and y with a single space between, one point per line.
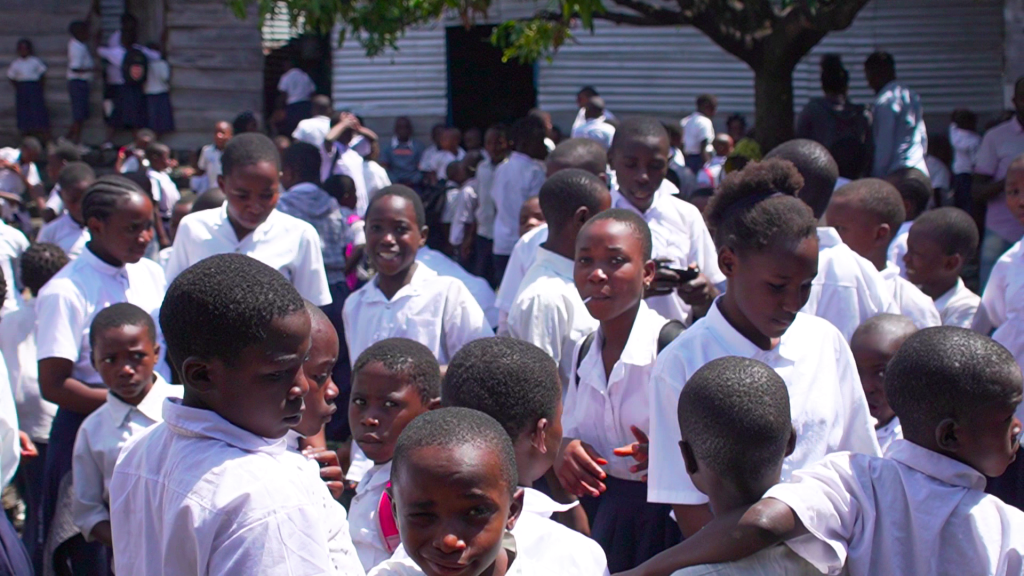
293 114
78 90
32 114
14 560
129 107
159 114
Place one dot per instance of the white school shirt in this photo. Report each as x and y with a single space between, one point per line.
158 77
898 130
1005 287
402 565
965 148
10 443
11 182
440 160
479 288
779 560
888 434
486 210
285 243
349 163
913 512
581 118
848 288
958 305
54 201
599 130
297 86
600 409
29 69
436 311
165 191
910 301
313 130
829 410
524 254
697 128
466 204
209 163
198 495
72 298
898 247
98 445
998 149
79 58
549 313
66 233
515 182
362 516
375 176
13 244
18 344
679 235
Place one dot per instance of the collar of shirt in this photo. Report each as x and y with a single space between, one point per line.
260 233
375 478
540 504
638 350
421 275
942 301
738 344
151 406
199 423
524 159
102 267
665 189
890 272
560 265
936 465
828 238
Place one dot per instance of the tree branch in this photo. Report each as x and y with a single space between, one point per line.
835 15
665 16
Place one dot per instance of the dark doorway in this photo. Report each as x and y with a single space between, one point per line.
311 52
483 90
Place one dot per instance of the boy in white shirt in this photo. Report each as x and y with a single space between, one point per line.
496 153
80 68
165 191
919 510
208 168
295 88
514 181
916 190
698 132
68 230
248 223
314 130
548 311
596 127
448 151
965 140
940 243
124 352
873 346
452 464
394 381
866 213
182 497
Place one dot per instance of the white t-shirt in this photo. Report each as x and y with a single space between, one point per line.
297 86
830 413
697 128
478 287
779 560
486 210
515 181
889 433
912 303
209 163
597 129
29 69
165 192
79 58
958 306
375 176
66 233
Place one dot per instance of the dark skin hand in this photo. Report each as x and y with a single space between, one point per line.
330 469
699 293
984 188
101 533
57 386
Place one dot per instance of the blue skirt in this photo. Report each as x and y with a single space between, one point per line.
14 560
293 114
32 114
129 107
78 90
159 114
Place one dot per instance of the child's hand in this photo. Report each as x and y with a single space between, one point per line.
698 292
28 448
579 469
330 469
637 451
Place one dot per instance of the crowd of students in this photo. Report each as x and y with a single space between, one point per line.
644 350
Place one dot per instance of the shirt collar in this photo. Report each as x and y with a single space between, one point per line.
420 276
739 345
261 231
151 406
890 272
376 477
943 300
665 189
828 237
100 266
936 465
538 503
199 423
638 350
557 263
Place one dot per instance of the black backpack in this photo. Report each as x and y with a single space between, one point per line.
135 67
669 332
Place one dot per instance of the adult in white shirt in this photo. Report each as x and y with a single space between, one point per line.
248 223
698 132
69 230
900 136
295 88
585 94
514 182
80 68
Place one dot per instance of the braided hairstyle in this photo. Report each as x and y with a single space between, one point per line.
103 196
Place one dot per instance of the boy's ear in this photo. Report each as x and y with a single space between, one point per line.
951 263
689 458
515 508
581 216
220 181
947 435
156 350
198 373
727 261
424 233
882 234
434 404
791 444
539 435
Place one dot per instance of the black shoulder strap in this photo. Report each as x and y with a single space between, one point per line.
588 341
669 332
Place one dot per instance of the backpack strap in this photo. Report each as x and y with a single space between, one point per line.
669 332
588 341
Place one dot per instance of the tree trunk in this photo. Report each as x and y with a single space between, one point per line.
773 101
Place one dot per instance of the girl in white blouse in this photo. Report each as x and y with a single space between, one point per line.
26 75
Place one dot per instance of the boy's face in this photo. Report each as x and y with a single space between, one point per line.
23 50
323 355
159 162
453 508
496 145
859 229
252 192
142 141
127 233
381 405
261 390
125 357
872 353
393 235
222 133
640 165
1015 193
403 129
72 198
989 437
926 261
610 269
530 215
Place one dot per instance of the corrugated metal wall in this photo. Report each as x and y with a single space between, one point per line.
277 28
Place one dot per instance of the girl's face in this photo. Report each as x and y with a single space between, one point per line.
770 286
252 192
127 233
24 50
393 234
611 269
323 355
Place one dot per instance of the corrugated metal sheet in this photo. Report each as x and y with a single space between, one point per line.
277 28
950 51
412 80
110 16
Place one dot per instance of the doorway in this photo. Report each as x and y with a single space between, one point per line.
483 90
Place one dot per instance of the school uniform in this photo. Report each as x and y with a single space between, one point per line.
285 243
597 129
524 254
10 445
478 288
898 247
697 129
958 305
830 413
710 175
561 550
13 244
403 160
427 158
599 410
298 88
965 145
522 565
910 301
486 212
889 433
364 522
1003 293
165 193
375 176
898 129
848 288
308 202
209 163
548 311
66 233
27 74
778 560
913 512
681 237
464 209
342 159
18 345
581 119
159 112
11 182
515 181
99 443
440 160
198 495
79 58
313 130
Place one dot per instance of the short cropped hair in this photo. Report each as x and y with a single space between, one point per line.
212 199
581 153
248 149
633 221
638 128
31 142
321 105
401 356
529 128
304 159
120 315
40 263
819 170
948 372
339 186
888 325
75 173
915 187
157 149
877 197
102 197
707 100
221 305
66 152
757 207
453 428
734 413
402 192
952 229
880 61
513 381
568 191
